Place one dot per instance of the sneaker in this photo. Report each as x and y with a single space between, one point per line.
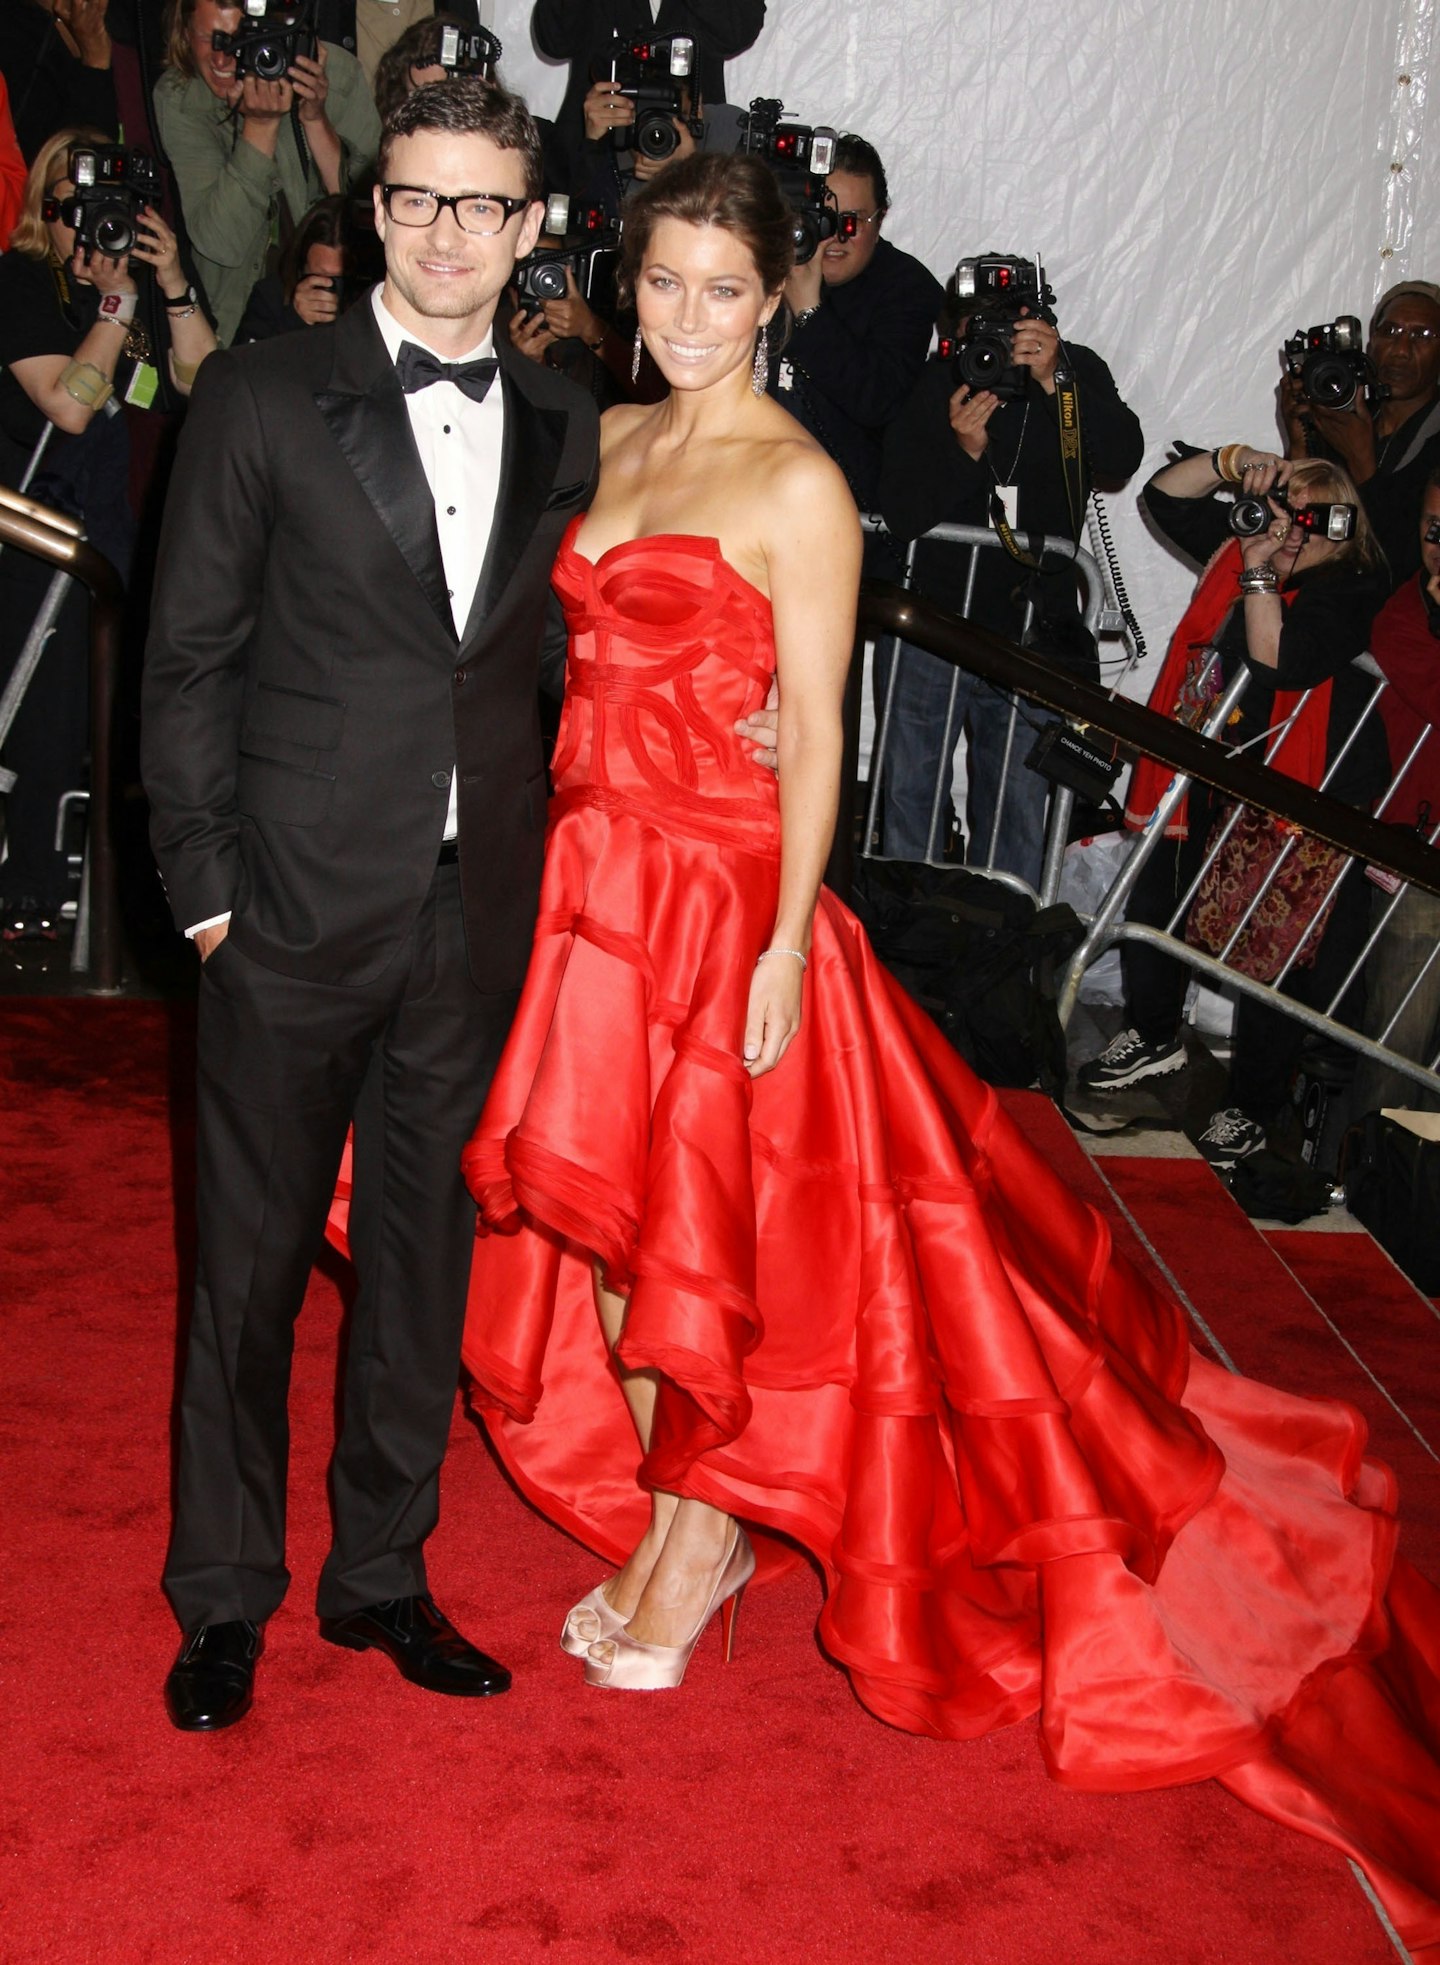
1229 1137
1128 1058
26 921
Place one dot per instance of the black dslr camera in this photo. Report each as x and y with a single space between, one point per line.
468 51
112 186
655 75
802 158
996 290
1250 516
269 39
590 250
1331 364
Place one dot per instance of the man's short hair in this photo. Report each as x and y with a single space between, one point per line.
468 105
862 159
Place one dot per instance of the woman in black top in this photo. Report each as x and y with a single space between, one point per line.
1334 590
72 350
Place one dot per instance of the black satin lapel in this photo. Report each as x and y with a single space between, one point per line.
374 436
530 454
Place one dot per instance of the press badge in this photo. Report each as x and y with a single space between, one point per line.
143 386
1009 496
786 377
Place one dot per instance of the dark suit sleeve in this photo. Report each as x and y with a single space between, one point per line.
208 586
926 478
872 372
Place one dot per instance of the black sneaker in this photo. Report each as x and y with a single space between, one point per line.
26 921
1127 1059
1229 1137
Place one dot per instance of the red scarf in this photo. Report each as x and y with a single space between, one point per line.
1301 754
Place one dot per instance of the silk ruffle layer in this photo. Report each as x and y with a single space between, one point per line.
884 1327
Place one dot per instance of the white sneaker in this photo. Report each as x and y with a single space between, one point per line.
1128 1058
1229 1137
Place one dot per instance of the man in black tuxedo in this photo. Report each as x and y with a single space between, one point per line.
342 752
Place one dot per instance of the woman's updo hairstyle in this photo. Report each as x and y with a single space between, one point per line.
736 192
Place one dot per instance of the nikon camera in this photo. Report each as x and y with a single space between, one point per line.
112 185
590 250
1331 364
1250 516
269 39
802 158
996 290
655 75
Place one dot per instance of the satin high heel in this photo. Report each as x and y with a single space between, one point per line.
592 1619
626 1665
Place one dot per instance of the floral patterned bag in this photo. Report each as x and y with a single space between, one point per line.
1301 891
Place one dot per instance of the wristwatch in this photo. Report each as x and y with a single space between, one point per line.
187 299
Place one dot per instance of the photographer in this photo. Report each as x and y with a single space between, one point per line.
1389 453
952 450
863 314
319 275
55 56
1402 975
582 32
1296 609
249 155
72 348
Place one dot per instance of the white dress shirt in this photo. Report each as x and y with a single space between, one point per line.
460 443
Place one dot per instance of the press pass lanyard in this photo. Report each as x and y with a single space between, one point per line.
1067 407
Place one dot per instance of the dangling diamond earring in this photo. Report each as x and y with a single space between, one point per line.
760 373
635 361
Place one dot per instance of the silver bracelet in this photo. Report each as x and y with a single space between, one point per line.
781 951
1259 580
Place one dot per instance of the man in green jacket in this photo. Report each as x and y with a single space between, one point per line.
245 165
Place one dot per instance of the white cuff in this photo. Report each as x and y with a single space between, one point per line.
215 921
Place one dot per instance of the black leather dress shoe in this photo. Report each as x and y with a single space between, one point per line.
426 1647
212 1681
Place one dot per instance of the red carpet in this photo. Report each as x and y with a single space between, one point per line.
756 1814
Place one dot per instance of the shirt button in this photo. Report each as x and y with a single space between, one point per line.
447 429
450 509
460 675
440 780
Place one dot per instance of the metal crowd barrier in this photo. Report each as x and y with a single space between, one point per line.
1363 840
975 540
58 540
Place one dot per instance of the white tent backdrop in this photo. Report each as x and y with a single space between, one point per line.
1200 180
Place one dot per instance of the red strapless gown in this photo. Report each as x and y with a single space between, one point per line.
885 1328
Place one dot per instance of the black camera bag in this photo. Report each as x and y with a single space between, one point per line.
1392 1185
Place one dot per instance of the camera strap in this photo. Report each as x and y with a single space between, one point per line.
1067 408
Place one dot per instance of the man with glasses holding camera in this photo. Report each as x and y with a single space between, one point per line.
863 312
1391 443
342 751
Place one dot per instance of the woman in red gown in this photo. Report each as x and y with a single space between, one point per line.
839 1297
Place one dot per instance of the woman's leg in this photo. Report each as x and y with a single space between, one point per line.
663 1588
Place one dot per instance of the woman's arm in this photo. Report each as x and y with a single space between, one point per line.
812 551
69 389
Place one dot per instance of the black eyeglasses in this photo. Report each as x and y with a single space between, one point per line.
484 212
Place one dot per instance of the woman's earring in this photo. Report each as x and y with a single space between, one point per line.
760 373
635 360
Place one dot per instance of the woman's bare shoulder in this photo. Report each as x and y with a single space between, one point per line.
620 422
802 478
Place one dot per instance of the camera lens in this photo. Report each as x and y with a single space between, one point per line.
806 234
547 282
1249 517
270 60
656 136
1329 381
114 231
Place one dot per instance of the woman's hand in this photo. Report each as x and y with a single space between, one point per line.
158 247
315 299
311 84
1260 549
970 412
773 1016
573 315
99 270
530 334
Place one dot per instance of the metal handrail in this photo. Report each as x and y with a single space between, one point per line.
888 609
53 537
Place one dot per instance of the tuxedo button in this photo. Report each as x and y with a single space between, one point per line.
460 675
440 780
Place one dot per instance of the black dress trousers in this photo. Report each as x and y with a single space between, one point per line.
284 1067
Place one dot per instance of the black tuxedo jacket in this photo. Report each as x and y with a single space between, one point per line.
306 692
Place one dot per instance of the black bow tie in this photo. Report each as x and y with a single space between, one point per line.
418 368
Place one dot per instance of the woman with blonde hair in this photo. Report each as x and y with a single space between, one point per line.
74 345
1294 607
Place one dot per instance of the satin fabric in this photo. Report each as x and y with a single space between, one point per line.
884 1327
